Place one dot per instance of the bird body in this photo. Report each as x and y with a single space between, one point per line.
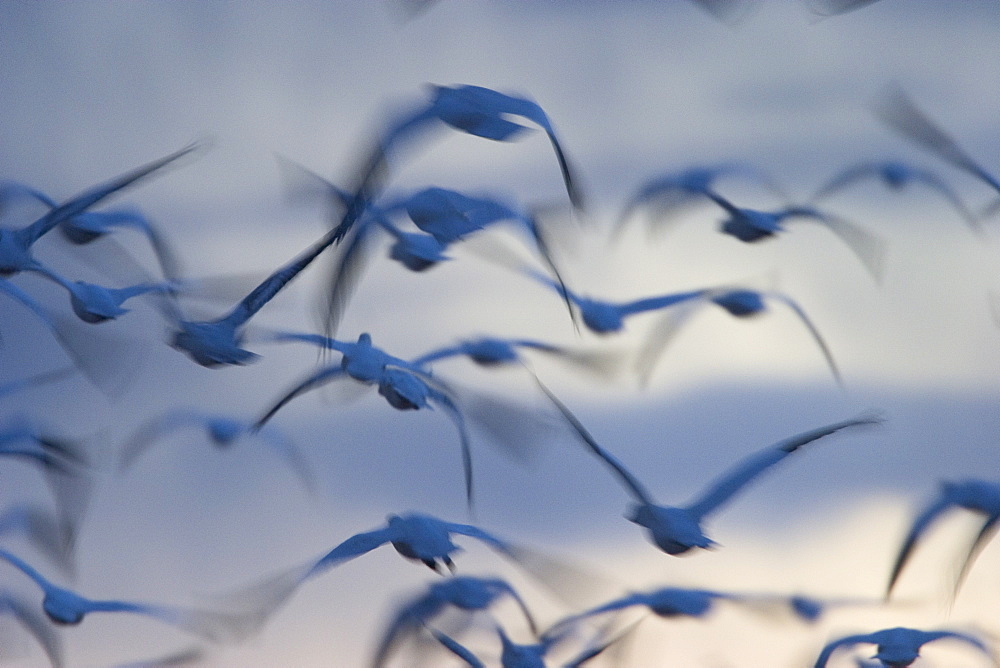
897 647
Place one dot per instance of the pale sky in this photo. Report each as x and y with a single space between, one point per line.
633 90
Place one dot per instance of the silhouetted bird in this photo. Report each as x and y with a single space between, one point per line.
897 647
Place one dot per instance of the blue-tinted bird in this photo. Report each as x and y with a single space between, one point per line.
403 384
898 647
897 175
15 245
737 302
67 608
467 593
677 530
979 496
223 431
95 303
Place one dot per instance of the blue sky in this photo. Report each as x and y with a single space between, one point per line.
633 90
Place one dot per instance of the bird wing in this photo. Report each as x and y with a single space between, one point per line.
965 637
321 377
867 246
354 546
920 525
898 111
456 648
845 178
290 452
833 646
935 182
659 337
827 355
630 481
146 435
441 395
90 197
475 532
273 284
662 301
987 532
28 570
737 478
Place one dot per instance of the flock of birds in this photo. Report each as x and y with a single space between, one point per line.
421 227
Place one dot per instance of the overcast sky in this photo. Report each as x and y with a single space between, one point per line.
633 90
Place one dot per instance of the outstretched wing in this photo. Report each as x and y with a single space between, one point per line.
833 646
633 484
827 355
920 524
737 478
321 377
354 546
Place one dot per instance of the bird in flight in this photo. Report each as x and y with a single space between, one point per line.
65 607
978 496
678 529
15 245
223 431
467 593
897 647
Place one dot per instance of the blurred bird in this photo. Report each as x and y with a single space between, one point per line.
13 386
897 175
898 647
415 536
752 225
979 496
13 605
403 384
66 607
223 430
444 217
737 302
215 343
665 194
531 655
15 245
676 530
95 303
663 602
89 226
486 113
897 110
464 592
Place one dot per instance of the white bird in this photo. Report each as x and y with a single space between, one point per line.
95 303
415 536
89 226
215 343
529 655
15 245
753 225
223 431
404 385
897 175
67 608
737 302
467 593
676 530
666 193
979 496
898 647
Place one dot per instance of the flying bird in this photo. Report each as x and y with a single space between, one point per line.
467 593
678 529
403 384
15 245
223 431
737 302
95 303
753 225
664 194
65 607
979 496
897 175
898 647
